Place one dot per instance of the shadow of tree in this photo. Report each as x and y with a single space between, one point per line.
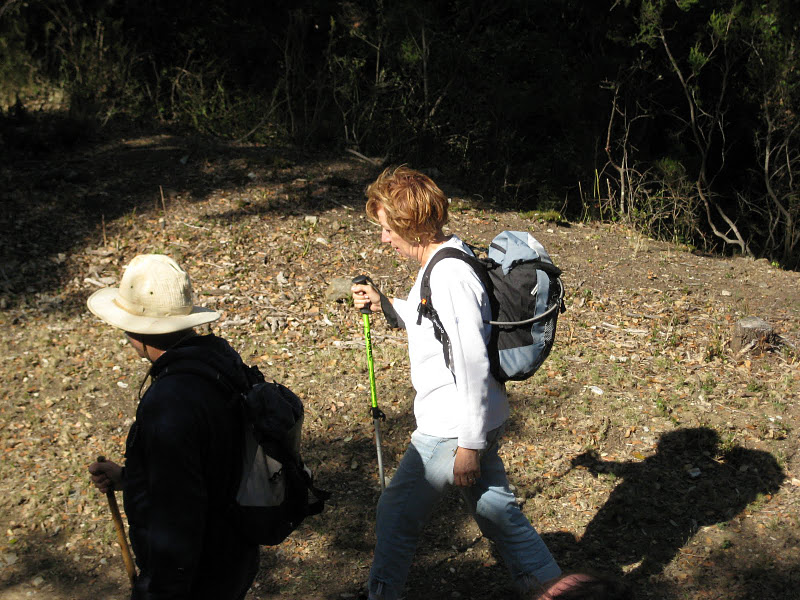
745 581
59 197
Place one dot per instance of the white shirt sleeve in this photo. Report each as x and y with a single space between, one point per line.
404 309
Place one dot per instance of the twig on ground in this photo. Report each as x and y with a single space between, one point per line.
163 203
373 161
193 226
736 410
612 327
345 206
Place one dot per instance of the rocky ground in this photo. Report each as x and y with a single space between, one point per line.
646 446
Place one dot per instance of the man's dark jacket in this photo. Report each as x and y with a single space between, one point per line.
181 474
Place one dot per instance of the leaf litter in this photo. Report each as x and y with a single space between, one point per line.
644 447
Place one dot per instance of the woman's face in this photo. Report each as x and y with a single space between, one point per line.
388 236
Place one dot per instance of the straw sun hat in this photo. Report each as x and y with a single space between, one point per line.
154 296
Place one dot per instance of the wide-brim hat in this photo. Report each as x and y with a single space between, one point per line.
154 297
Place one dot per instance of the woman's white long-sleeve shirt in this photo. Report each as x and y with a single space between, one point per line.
467 402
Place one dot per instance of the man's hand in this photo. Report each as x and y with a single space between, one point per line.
364 294
467 467
105 475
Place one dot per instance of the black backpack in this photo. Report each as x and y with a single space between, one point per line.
276 490
526 296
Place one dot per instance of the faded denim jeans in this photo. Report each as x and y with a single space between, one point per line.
406 504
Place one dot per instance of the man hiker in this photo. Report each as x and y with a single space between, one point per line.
182 457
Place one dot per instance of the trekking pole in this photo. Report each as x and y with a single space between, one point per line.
121 537
377 414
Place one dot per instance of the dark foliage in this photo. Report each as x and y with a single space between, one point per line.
680 117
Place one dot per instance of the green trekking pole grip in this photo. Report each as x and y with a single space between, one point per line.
377 414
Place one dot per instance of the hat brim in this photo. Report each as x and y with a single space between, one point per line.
102 304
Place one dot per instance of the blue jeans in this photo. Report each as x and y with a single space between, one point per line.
406 504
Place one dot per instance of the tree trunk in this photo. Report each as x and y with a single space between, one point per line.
752 332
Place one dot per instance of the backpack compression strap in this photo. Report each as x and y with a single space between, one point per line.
426 309
543 265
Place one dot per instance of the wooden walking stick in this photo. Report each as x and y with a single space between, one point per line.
122 539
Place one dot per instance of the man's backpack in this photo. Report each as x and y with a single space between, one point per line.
276 490
526 296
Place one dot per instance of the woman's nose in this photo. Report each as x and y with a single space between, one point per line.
385 237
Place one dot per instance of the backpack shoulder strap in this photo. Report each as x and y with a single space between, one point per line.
209 372
203 370
425 285
426 309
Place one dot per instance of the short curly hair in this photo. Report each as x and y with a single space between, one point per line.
416 209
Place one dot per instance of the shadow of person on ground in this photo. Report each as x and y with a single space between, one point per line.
663 500
41 564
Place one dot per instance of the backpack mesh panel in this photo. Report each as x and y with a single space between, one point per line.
549 331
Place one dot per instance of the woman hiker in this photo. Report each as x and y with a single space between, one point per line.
460 413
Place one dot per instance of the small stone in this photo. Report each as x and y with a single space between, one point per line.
338 289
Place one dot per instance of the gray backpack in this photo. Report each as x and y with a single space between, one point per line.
526 296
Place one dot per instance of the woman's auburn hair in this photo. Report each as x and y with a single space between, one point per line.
415 207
